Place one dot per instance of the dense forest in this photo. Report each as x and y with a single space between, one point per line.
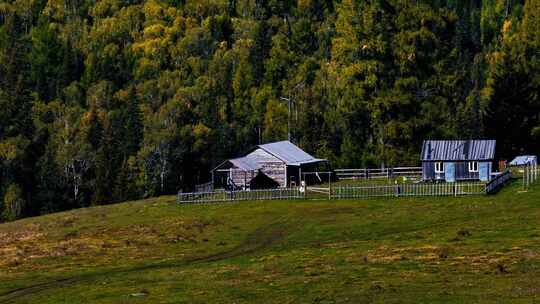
104 101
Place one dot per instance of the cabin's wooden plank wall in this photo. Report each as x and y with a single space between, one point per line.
272 166
242 178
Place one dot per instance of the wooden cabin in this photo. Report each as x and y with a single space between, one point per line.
457 160
282 162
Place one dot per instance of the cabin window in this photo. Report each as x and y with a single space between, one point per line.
439 167
473 166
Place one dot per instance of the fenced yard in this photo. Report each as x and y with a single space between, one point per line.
341 191
422 189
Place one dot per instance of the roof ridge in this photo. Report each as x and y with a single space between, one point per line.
287 152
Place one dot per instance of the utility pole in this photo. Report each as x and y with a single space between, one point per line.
289 100
290 105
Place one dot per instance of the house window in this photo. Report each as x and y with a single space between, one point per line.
439 167
473 166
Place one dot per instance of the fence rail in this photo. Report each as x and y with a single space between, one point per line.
207 187
499 181
378 173
442 189
241 195
340 192
351 192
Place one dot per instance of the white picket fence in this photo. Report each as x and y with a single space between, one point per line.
423 189
341 192
241 195
530 174
351 192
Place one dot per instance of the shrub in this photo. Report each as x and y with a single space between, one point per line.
13 203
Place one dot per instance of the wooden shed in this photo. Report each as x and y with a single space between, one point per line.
281 161
455 160
235 173
524 160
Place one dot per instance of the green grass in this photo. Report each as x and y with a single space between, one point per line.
408 250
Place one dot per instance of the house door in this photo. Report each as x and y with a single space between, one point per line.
450 172
483 171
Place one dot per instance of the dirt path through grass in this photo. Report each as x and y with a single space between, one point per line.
258 240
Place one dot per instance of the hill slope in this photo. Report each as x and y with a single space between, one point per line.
115 100
470 249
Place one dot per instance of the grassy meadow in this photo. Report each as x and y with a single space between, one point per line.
477 249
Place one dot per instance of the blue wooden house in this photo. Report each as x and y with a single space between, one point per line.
456 160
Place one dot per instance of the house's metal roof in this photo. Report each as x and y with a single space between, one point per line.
245 163
458 150
289 153
524 160
285 151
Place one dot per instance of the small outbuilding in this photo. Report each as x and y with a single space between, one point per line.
282 161
235 173
262 181
524 160
455 160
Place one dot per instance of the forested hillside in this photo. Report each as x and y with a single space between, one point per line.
103 101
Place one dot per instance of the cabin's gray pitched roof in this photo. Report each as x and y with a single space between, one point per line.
245 163
289 153
284 151
458 150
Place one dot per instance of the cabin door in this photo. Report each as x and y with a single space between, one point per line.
483 171
450 172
